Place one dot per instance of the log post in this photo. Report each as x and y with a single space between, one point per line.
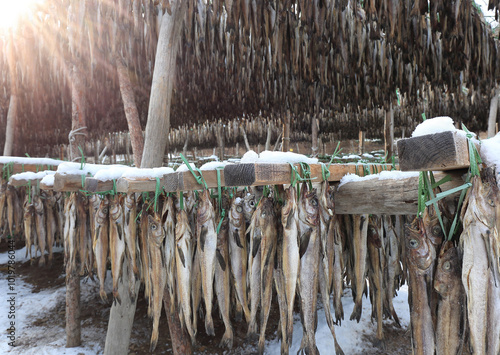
493 113
286 133
362 142
389 132
73 324
131 113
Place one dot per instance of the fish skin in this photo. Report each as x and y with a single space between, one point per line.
131 242
338 266
360 230
196 291
29 215
222 283
421 256
116 243
290 256
479 243
375 234
50 202
100 244
279 284
238 253
254 275
183 265
249 205
60 200
309 268
82 229
448 284
207 246
268 254
393 269
157 271
168 215
40 227
3 203
143 238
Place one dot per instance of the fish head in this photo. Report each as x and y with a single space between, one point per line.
205 208
103 211
168 210
249 204
236 212
486 196
432 226
155 228
310 206
115 210
420 251
448 271
374 228
130 201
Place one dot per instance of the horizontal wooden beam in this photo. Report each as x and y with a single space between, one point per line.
68 182
17 168
245 175
23 182
392 197
433 152
94 185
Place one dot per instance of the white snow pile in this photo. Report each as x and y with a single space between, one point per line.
70 168
213 165
184 167
490 151
33 161
351 156
268 156
135 173
30 175
48 180
383 175
437 125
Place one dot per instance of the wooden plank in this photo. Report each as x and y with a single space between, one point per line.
187 181
65 182
21 168
239 174
432 152
394 197
171 182
46 187
94 185
23 182
135 185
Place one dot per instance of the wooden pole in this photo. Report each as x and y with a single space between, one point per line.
73 323
12 113
361 142
493 113
245 139
389 132
158 123
269 133
286 133
314 134
131 113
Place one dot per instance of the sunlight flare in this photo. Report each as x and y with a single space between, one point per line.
11 11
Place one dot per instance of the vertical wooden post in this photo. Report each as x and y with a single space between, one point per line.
389 132
361 142
493 113
269 133
73 324
286 133
314 135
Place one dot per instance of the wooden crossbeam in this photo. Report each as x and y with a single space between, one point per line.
68 182
433 152
23 182
17 168
392 197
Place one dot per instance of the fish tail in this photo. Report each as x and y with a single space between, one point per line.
41 262
209 325
116 296
395 317
252 328
262 343
227 339
103 295
154 340
356 312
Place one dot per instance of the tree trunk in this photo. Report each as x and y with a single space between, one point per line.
493 113
78 123
158 123
314 134
361 142
12 114
73 323
131 113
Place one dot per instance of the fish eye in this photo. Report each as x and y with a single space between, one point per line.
153 227
447 265
105 210
414 243
251 203
490 202
314 202
239 209
436 230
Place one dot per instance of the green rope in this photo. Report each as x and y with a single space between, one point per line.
325 172
335 153
223 213
199 179
28 191
219 189
423 116
7 170
181 200
306 171
431 194
157 193
474 157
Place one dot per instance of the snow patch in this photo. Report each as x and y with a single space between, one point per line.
29 175
384 175
33 161
213 165
135 173
490 151
268 156
249 157
69 168
48 180
437 125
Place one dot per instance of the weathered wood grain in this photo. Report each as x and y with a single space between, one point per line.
439 151
65 182
94 185
394 197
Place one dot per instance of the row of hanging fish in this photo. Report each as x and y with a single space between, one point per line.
243 56
453 284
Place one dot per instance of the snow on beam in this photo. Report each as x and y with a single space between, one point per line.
397 196
439 151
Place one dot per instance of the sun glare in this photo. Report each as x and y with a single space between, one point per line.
11 11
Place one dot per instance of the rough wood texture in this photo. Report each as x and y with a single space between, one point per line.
239 174
21 168
440 151
73 324
94 185
161 88
64 182
23 182
121 317
131 113
492 119
392 197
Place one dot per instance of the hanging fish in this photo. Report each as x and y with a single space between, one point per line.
29 232
169 226
131 240
100 244
116 242
206 247
360 252
40 227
